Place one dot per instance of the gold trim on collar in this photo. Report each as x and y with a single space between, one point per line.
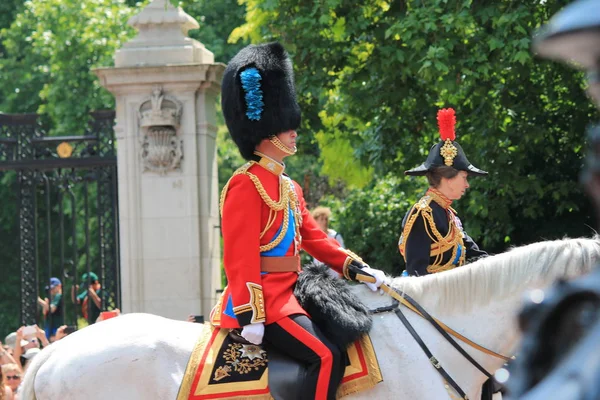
439 198
269 164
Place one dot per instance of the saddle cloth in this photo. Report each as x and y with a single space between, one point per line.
220 368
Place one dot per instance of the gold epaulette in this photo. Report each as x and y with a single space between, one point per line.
423 203
241 170
421 206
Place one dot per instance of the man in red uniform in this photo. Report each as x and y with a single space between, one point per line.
265 221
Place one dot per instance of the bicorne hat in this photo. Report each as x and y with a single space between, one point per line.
447 152
258 96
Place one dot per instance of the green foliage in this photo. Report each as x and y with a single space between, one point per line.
229 156
50 48
8 10
217 19
370 220
371 77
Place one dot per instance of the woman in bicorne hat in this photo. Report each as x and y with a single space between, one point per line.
433 238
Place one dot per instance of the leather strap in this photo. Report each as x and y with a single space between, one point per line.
436 364
280 264
401 297
445 334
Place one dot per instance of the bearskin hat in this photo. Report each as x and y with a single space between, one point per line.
447 152
258 96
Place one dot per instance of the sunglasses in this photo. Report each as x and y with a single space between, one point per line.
15 377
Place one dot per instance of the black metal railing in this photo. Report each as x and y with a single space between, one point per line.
67 211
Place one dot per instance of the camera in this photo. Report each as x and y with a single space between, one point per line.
199 319
29 330
70 329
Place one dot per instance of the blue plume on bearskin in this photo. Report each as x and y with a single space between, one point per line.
251 83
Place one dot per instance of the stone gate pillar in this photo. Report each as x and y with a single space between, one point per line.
165 85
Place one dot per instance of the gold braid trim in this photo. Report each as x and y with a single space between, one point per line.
440 244
240 170
270 222
287 199
351 257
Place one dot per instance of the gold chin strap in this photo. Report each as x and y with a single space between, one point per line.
279 144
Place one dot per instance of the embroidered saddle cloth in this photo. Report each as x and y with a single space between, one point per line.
221 368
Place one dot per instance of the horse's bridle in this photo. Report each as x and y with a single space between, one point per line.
402 298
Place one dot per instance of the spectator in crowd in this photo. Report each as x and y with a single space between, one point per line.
64 331
33 336
5 349
13 376
29 355
6 355
10 342
90 310
5 391
322 215
52 308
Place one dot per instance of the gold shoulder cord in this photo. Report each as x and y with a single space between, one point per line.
422 208
287 199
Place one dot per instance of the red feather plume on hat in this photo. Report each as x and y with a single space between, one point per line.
446 121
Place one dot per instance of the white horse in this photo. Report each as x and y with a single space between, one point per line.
141 356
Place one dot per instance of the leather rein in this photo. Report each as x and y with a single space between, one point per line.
402 298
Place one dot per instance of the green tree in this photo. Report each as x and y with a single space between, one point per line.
217 19
50 48
370 220
371 77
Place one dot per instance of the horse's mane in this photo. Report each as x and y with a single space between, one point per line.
495 277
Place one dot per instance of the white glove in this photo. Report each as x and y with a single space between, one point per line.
378 275
254 332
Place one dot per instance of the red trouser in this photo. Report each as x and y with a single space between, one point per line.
298 337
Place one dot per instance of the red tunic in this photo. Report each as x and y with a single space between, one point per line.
244 216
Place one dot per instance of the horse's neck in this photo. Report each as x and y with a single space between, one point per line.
492 327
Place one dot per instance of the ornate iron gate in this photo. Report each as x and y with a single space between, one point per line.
68 216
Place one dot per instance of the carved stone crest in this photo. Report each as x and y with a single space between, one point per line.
159 117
